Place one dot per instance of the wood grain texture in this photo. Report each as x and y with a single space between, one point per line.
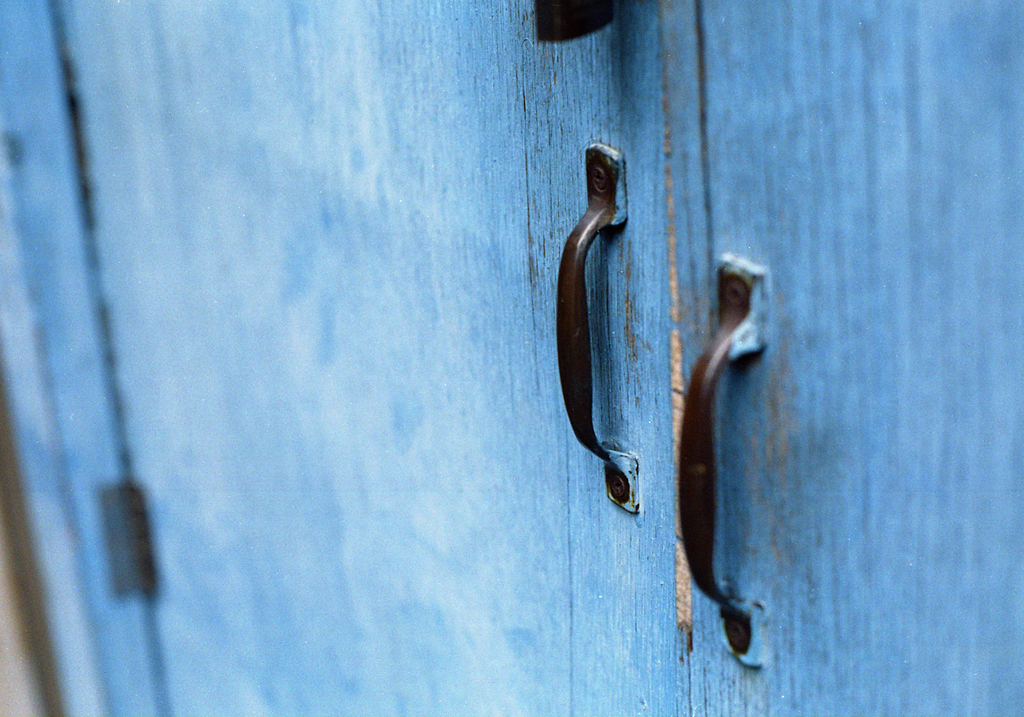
327 235
870 154
688 244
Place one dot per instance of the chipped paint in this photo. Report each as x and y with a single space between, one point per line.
684 583
630 335
684 596
675 308
678 390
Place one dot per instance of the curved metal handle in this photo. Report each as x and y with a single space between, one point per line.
736 336
606 195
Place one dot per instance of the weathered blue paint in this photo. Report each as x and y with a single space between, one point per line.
327 235
870 155
57 386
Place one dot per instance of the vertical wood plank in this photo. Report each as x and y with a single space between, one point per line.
688 232
870 154
328 236
625 642
56 374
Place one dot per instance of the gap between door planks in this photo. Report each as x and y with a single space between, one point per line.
684 594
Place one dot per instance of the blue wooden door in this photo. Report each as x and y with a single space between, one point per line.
870 472
305 298
291 267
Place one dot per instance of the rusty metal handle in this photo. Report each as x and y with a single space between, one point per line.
697 449
606 207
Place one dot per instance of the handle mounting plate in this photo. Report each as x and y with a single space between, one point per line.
621 478
748 337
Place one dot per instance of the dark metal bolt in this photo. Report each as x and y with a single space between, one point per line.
736 293
618 486
599 178
737 631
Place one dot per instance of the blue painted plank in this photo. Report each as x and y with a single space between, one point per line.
52 530
56 375
870 155
625 644
328 236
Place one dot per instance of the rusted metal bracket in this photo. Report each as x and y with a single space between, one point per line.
742 305
606 194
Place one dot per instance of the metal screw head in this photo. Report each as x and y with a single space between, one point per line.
737 631
618 484
599 178
735 292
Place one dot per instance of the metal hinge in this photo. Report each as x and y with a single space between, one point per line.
129 543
